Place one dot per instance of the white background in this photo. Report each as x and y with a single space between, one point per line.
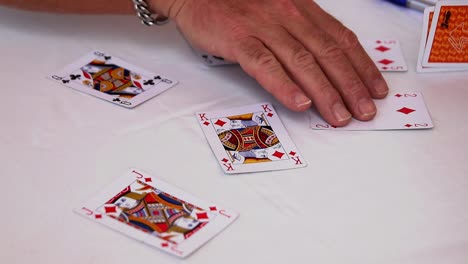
366 197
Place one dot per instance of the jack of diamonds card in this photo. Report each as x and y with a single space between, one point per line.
250 139
447 44
386 54
112 79
152 211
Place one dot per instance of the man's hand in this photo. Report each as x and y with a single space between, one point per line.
293 48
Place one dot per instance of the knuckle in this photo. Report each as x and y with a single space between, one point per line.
329 48
331 51
353 87
348 39
247 45
290 8
310 68
322 89
301 58
326 91
304 61
259 59
264 60
238 31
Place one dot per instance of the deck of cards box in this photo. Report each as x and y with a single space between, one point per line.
444 39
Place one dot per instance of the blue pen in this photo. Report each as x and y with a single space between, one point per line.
418 5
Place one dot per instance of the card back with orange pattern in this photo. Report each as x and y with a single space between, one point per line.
448 37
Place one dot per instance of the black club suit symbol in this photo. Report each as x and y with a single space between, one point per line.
75 76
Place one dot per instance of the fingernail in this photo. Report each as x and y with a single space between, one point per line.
341 113
301 100
367 107
380 87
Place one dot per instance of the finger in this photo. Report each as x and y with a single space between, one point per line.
262 65
304 69
336 66
349 43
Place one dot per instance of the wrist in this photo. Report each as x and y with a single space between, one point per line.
165 8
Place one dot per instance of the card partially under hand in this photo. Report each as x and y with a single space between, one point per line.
211 60
112 79
156 213
386 54
397 111
249 139
208 59
447 44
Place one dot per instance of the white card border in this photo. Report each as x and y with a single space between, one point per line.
323 125
223 219
397 49
135 101
277 125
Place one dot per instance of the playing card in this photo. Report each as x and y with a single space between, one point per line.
112 79
154 212
210 60
249 139
427 21
397 111
386 54
447 44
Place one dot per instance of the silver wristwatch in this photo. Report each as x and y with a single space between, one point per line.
147 18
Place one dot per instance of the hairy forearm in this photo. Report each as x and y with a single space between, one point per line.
70 6
163 7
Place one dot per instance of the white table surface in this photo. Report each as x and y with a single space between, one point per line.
366 197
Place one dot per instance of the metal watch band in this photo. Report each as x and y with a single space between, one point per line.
147 18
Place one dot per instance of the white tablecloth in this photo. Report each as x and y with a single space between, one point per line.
366 197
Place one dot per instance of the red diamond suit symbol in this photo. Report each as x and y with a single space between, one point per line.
406 110
386 61
220 123
110 209
382 48
278 154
